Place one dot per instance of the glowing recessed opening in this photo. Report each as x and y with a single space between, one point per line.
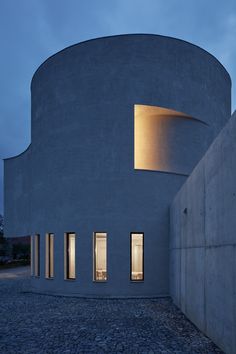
158 138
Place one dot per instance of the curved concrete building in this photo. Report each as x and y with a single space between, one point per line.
118 123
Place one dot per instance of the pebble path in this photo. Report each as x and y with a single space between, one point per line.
33 323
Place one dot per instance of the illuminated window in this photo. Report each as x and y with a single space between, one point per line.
31 255
136 248
70 255
100 256
49 255
37 255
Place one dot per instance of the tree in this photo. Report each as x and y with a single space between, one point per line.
2 239
1 225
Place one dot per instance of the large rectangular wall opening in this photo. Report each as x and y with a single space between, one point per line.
166 140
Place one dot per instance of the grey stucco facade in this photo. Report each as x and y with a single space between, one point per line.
78 173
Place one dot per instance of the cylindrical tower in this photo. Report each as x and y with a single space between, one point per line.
118 123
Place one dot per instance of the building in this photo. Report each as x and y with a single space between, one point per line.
118 124
203 242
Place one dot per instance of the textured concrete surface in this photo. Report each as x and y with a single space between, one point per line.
78 174
33 323
203 242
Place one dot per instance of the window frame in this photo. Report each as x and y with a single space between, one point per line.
37 255
66 256
94 257
130 274
49 274
32 255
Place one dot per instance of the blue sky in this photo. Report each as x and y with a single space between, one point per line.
32 30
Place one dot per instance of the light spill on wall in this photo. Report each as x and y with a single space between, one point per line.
157 138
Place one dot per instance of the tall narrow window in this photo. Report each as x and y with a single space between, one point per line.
49 249
37 255
70 255
31 255
100 256
137 248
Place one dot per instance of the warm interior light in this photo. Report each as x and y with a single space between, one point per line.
100 255
51 255
155 133
71 255
49 258
31 255
37 255
136 256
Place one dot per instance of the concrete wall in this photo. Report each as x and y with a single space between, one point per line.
82 176
203 242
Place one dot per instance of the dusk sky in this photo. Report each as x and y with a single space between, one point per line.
32 30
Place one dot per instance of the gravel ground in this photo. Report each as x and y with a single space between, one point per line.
32 323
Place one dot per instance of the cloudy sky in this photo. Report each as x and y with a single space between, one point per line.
32 30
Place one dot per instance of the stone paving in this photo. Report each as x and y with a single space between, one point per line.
32 323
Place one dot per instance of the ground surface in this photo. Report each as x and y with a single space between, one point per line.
32 323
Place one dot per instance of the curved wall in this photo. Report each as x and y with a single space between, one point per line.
166 140
17 194
82 153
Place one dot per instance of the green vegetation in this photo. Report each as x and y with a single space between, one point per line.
12 254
